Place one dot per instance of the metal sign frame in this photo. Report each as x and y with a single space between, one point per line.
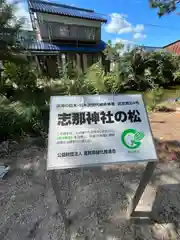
147 154
145 179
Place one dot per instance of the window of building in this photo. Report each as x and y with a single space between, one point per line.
73 31
90 33
64 30
58 30
76 32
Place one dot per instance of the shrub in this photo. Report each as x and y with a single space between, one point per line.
24 107
21 76
157 95
18 119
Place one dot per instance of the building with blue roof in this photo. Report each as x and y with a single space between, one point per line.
65 34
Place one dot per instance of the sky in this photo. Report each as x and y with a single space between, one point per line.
129 21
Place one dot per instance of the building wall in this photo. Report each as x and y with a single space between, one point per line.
44 33
79 60
67 20
173 48
68 32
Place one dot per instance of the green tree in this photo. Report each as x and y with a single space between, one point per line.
135 62
112 51
164 6
138 69
10 25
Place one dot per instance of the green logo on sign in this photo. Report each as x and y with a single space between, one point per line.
132 138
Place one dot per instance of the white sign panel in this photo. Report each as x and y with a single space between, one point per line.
98 129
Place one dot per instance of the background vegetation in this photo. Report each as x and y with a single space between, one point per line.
164 6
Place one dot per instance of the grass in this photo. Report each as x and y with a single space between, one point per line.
173 92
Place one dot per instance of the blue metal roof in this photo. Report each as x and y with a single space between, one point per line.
42 46
65 10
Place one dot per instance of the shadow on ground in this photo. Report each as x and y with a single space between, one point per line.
95 199
165 213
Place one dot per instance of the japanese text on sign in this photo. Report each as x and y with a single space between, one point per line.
96 104
98 129
79 118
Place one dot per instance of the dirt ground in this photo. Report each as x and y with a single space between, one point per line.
96 199
166 125
166 129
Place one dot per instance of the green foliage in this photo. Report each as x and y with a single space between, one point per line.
18 119
164 7
140 70
99 82
21 75
161 66
157 95
10 25
112 51
24 102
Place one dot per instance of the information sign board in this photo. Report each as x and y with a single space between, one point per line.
94 130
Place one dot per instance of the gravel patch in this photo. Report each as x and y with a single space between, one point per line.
95 199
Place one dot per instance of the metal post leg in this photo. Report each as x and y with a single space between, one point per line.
55 186
147 174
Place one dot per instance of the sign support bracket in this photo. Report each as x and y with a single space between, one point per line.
57 192
145 178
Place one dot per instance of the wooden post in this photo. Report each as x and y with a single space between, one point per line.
74 60
100 58
78 61
59 65
63 59
38 64
85 62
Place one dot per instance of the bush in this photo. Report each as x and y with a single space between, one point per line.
10 121
140 70
18 119
157 95
24 104
21 76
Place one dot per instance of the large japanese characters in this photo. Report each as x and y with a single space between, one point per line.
98 129
79 118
